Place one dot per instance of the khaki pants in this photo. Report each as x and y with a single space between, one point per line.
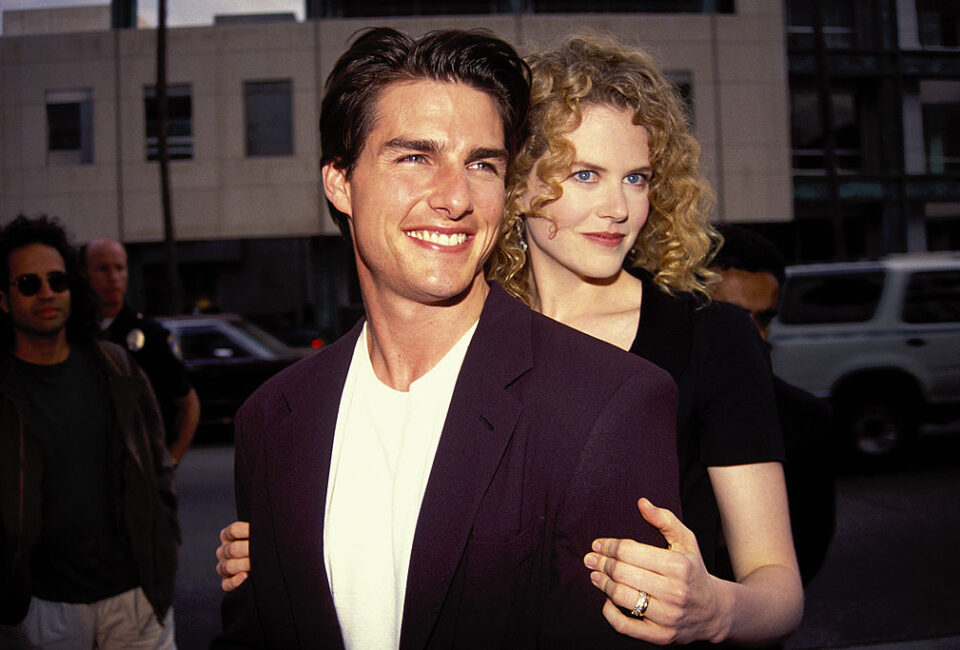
123 621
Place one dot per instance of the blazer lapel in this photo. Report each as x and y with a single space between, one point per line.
479 425
297 466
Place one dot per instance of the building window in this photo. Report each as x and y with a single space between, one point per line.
939 23
839 24
269 117
69 127
807 132
943 230
941 114
683 81
179 122
942 138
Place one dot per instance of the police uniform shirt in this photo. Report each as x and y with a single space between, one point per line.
152 347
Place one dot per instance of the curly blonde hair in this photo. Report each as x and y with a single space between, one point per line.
677 240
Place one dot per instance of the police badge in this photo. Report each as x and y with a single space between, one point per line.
135 339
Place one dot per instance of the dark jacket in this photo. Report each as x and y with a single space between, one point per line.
550 438
148 506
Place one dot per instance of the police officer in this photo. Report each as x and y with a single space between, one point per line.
148 342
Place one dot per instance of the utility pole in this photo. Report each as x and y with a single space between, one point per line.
174 296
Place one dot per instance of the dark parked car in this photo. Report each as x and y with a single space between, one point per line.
227 358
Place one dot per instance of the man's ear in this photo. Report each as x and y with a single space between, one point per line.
336 186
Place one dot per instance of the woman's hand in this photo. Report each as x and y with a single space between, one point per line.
685 603
233 555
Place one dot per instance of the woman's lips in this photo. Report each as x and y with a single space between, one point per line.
608 239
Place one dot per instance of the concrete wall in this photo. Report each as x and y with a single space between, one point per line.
736 63
58 20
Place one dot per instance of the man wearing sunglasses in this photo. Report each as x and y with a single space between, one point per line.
752 272
89 531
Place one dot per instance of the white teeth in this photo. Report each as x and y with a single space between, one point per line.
441 238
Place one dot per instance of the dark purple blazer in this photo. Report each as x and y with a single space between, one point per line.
550 438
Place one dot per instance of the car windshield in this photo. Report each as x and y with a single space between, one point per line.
206 343
268 341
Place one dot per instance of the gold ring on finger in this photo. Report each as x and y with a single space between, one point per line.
641 608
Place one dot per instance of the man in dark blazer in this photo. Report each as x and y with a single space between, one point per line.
549 436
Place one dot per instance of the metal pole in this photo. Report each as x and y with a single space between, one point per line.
174 297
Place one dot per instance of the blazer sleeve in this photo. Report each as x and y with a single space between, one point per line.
238 610
629 453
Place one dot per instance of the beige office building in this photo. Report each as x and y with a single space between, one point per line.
75 129
78 124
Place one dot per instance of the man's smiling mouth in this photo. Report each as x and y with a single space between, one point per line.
439 238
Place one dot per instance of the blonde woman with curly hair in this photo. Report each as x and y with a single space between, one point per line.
609 172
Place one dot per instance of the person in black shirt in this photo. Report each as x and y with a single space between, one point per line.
148 342
89 534
608 174
751 274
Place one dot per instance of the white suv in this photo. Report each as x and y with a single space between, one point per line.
880 339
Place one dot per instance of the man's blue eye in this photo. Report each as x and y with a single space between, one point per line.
484 165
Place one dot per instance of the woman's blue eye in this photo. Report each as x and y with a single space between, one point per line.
584 175
635 179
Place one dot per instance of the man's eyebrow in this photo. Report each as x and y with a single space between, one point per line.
487 153
431 146
408 144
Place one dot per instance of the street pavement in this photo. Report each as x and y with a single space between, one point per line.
204 484
889 582
892 572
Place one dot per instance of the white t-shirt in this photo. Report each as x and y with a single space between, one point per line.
383 450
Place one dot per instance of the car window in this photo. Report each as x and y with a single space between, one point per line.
831 298
933 297
204 344
268 341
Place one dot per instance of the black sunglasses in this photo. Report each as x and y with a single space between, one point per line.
29 284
